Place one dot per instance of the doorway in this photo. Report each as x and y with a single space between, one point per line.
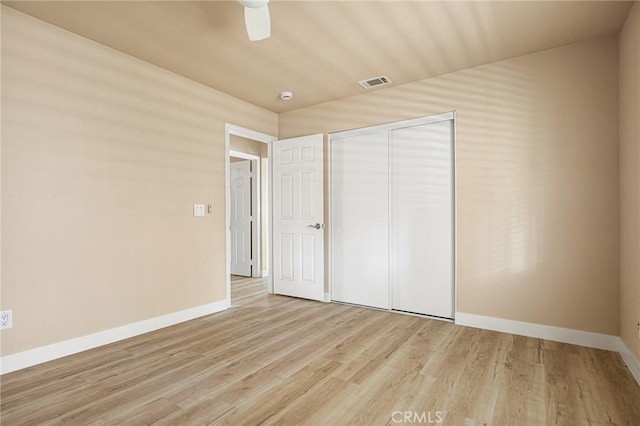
247 204
295 190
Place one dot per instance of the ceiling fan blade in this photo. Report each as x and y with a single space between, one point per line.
258 22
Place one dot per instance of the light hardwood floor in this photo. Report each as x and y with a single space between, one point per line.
280 360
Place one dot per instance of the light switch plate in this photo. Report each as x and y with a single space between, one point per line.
198 209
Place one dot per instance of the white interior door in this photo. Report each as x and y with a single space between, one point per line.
422 219
360 219
240 197
298 217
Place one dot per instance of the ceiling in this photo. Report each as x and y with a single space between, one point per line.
319 49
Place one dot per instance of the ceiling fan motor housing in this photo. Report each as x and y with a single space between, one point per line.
253 4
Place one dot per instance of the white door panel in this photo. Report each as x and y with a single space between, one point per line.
359 215
240 198
298 249
422 219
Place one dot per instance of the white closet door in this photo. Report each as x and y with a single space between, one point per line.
422 219
360 219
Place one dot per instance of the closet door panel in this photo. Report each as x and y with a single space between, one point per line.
359 220
422 219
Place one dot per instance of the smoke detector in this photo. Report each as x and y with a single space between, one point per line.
286 96
375 81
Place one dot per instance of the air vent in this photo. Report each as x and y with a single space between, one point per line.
375 81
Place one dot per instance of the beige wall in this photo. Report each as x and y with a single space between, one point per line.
238 143
537 173
103 158
630 180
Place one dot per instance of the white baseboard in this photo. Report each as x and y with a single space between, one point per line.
557 334
632 362
42 354
265 273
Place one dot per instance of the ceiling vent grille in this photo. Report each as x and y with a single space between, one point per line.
374 82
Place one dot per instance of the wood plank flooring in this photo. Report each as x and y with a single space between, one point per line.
279 360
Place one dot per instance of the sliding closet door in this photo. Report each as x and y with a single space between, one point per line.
422 219
360 219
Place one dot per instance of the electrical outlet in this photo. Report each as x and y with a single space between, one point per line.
6 319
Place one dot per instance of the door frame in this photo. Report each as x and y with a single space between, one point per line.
232 129
451 115
256 259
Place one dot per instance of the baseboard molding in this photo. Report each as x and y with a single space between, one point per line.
632 362
42 354
539 331
557 334
265 273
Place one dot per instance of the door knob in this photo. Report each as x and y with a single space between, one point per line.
316 226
